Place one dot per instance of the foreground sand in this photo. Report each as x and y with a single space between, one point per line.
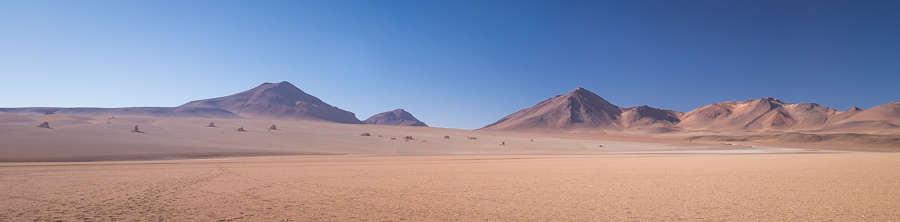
745 187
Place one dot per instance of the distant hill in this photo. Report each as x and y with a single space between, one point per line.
276 101
282 101
397 117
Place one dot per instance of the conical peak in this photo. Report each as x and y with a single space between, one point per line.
582 92
853 108
279 85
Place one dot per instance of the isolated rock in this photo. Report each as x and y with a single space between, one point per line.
45 125
241 129
365 134
273 127
211 124
136 130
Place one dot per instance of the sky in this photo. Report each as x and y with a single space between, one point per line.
451 63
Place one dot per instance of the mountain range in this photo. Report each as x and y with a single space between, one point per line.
582 111
579 111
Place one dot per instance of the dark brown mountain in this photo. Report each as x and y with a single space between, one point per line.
397 117
276 101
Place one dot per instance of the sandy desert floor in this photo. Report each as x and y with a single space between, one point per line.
181 170
746 187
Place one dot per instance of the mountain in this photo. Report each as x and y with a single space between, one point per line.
282 101
765 114
206 112
397 117
583 111
882 119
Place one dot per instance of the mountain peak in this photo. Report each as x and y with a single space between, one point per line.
581 92
577 110
280 100
397 117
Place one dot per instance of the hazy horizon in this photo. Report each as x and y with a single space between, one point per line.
453 64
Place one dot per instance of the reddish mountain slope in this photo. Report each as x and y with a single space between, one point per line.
583 111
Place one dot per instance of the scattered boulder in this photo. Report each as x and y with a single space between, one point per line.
392 138
273 127
136 130
471 138
211 124
447 137
408 138
45 125
241 129
365 134
503 143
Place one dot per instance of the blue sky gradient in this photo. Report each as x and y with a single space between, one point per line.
457 64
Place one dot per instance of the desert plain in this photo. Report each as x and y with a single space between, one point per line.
179 169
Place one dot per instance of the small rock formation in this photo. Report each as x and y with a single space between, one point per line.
392 138
273 127
503 143
447 137
241 129
471 138
49 112
136 130
365 134
45 125
211 124
408 138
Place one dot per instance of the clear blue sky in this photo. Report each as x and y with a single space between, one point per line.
457 64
